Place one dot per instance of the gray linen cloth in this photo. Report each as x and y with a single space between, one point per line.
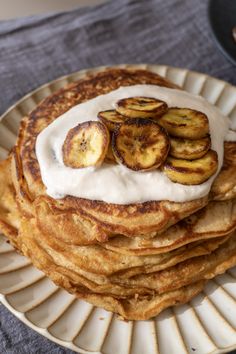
38 49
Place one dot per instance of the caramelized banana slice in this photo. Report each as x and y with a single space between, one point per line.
185 123
86 145
140 144
111 119
141 107
191 172
189 149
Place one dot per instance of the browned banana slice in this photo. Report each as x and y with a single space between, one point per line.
111 118
189 149
86 145
191 172
185 123
141 107
140 144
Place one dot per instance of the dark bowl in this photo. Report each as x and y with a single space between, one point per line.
222 18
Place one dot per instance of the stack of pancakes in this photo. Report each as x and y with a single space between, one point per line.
136 259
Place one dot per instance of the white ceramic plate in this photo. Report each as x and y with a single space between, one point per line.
205 325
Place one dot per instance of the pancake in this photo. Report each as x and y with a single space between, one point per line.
224 186
144 307
133 219
103 220
215 220
9 214
78 262
153 284
99 261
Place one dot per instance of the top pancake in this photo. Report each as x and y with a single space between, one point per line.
144 219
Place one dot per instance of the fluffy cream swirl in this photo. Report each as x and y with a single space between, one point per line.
115 183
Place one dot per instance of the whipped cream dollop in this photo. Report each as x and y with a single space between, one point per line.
115 183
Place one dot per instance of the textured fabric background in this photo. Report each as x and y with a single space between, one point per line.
38 49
